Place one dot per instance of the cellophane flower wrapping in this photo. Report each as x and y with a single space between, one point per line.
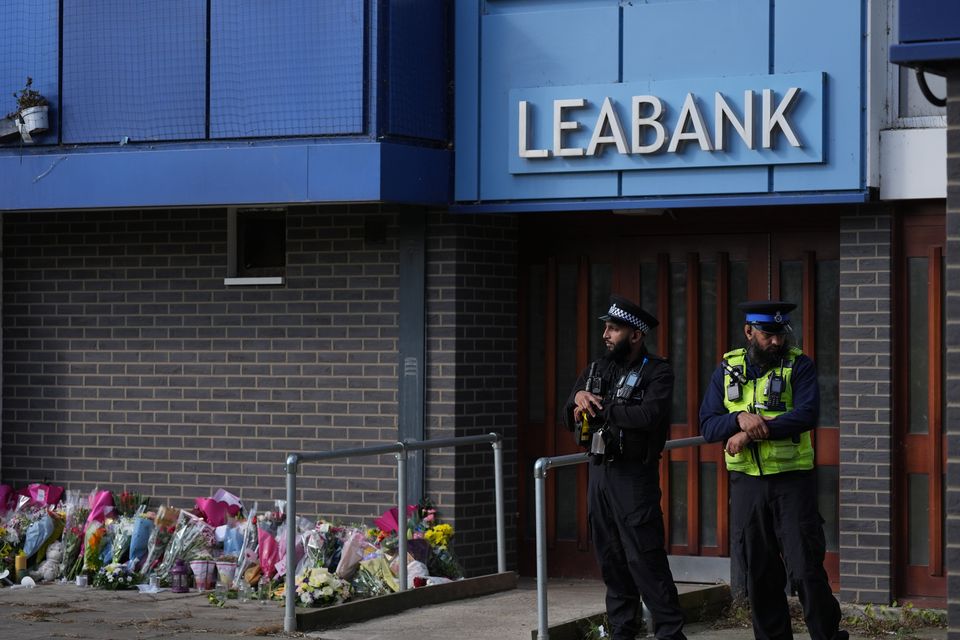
317 587
115 577
164 525
75 514
192 538
93 546
366 584
248 547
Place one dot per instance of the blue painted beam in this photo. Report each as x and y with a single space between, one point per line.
680 202
224 175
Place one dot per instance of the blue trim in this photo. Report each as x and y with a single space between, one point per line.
224 175
607 204
466 98
919 52
768 318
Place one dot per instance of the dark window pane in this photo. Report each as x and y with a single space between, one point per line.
708 504
737 288
828 490
828 340
601 278
566 503
536 342
708 324
678 503
919 524
530 502
566 346
919 361
261 242
678 339
791 290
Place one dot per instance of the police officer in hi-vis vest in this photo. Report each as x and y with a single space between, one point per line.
763 402
620 410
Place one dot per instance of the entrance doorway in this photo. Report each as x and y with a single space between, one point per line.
690 272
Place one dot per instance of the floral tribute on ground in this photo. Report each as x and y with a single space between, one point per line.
117 541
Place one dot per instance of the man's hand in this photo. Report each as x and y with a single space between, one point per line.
737 443
753 425
587 403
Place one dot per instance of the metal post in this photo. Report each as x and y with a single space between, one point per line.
290 593
402 516
498 490
539 480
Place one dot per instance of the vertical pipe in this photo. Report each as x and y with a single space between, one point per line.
498 489
402 516
290 594
539 480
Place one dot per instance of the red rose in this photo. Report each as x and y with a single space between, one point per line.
419 581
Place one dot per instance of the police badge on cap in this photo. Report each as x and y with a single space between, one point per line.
622 311
769 316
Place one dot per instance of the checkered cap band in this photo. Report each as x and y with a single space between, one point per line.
629 318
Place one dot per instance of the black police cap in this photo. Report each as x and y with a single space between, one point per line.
770 316
623 311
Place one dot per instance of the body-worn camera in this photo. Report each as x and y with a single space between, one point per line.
737 380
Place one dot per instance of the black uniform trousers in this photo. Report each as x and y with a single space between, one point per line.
775 522
627 528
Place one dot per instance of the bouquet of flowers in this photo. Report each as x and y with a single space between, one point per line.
163 528
317 587
93 546
248 547
366 584
72 541
9 544
139 538
115 577
192 538
127 503
122 534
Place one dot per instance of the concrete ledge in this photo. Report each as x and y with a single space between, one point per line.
360 610
699 603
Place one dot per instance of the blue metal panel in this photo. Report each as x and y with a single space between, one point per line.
923 20
533 49
133 68
467 99
286 67
223 175
29 47
419 55
841 58
706 38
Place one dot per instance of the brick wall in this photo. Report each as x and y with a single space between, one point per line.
866 347
129 365
951 420
471 342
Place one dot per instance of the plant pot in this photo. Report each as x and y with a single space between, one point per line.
35 119
202 574
226 572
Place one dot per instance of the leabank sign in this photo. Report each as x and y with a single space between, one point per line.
711 122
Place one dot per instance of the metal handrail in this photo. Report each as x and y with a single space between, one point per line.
540 469
400 449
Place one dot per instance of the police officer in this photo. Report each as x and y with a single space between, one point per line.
626 523
763 402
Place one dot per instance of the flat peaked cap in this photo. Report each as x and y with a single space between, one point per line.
625 312
770 316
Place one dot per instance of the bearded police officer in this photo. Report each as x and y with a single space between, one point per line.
763 402
625 400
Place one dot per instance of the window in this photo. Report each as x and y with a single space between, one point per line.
256 246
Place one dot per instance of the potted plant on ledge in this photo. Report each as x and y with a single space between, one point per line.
31 113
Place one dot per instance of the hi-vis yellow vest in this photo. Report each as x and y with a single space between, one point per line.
765 457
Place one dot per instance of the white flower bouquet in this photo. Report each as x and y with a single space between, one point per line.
317 587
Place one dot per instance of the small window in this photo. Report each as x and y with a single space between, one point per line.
257 246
